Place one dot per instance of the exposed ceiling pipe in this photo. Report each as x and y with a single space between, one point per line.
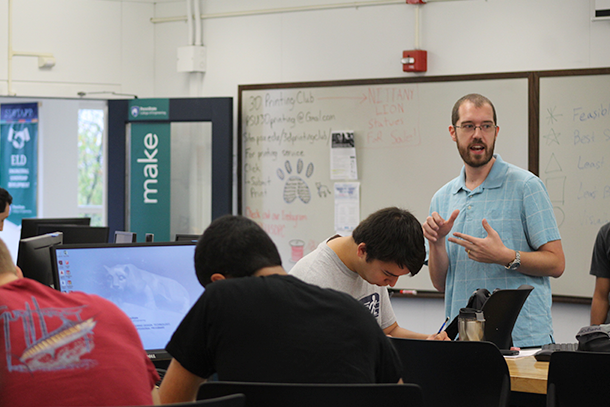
283 10
196 15
192 57
290 10
189 22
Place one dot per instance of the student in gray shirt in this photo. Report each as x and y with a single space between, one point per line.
386 245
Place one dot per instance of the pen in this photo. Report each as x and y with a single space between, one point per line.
442 326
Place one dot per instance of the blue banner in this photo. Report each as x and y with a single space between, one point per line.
19 158
150 189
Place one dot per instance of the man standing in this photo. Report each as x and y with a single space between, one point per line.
255 323
67 349
504 232
386 245
600 268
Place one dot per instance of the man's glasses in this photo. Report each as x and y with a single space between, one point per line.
469 128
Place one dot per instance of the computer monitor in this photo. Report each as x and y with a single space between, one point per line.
34 257
30 225
77 233
153 283
187 237
124 237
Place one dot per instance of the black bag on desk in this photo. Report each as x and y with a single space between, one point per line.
594 338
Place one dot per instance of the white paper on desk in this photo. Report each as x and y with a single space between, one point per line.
523 353
347 207
343 155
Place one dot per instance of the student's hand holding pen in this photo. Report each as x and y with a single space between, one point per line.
441 335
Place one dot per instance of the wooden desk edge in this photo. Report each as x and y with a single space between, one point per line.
528 375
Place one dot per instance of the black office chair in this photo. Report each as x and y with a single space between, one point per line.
578 379
316 395
457 373
233 400
500 311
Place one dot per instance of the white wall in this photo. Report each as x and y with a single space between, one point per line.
113 46
461 37
98 46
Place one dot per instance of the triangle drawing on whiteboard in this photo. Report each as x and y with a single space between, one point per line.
553 165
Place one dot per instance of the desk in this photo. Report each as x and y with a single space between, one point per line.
527 375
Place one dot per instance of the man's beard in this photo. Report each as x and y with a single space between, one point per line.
476 160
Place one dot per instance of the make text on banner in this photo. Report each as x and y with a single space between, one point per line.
150 172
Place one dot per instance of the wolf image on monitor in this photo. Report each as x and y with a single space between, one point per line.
131 284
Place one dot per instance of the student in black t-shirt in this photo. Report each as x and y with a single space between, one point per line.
256 323
600 268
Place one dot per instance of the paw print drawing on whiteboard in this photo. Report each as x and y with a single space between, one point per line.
295 186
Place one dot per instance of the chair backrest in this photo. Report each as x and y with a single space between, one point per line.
578 379
501 311
232 400
316 395
455 373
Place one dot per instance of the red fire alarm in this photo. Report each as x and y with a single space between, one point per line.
415 61
416 2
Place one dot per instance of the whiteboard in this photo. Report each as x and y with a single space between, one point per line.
403 149
575 167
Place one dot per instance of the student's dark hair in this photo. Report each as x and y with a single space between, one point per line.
393 235
234 246
5 199
475 99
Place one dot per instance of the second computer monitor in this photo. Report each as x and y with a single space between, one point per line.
34 257
77 233
30 225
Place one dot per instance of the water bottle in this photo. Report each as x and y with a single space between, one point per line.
471 324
